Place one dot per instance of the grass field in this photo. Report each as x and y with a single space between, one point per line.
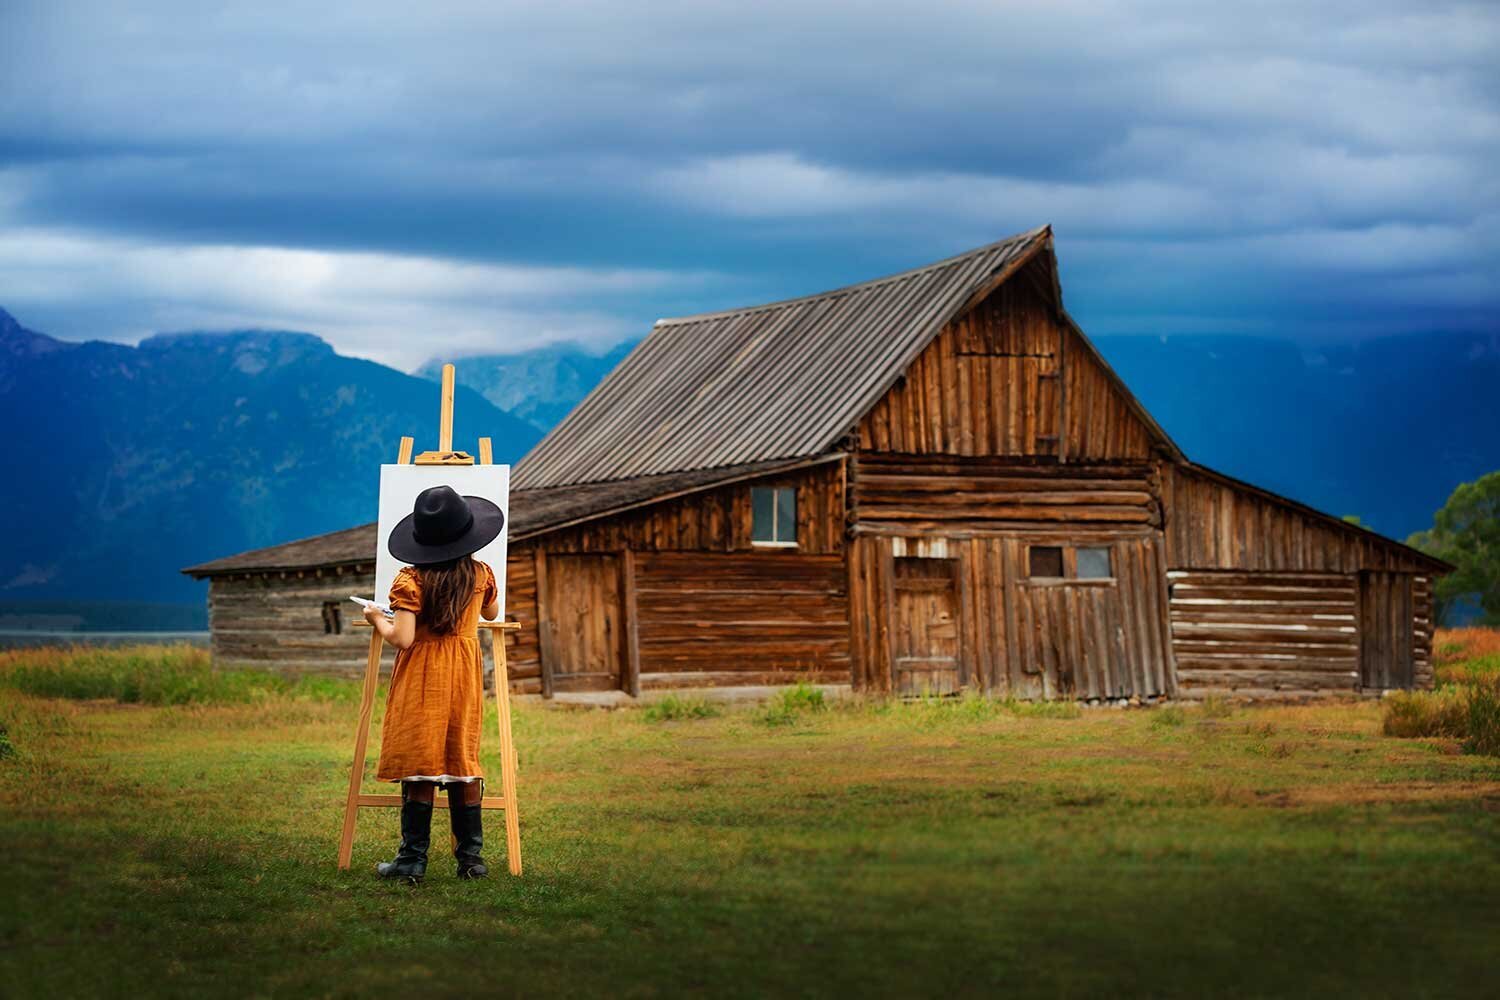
953 848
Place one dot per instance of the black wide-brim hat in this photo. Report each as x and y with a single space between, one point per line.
444 526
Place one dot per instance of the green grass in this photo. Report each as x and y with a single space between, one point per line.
152 675
675 708
958 847
791 704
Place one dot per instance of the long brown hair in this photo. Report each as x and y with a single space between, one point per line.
447 589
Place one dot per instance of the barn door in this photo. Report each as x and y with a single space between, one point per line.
584 622
925 639
1386 638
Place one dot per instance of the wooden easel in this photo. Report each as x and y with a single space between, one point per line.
445 455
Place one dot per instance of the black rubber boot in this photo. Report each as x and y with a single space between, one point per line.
468 833
416 834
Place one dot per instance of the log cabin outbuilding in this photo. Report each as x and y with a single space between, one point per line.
923 483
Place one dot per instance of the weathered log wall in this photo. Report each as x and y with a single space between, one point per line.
1001 380
1236 633
277 621
1422 627
1389 616
1364 623
741 618
934 494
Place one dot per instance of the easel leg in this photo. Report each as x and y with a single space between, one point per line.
361 741
507 753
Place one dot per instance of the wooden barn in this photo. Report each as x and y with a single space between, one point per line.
927 482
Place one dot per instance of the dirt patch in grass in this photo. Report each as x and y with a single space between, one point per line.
1329 795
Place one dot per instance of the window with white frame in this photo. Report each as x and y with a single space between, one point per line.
773 516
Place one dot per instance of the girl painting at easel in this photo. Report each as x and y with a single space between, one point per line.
432 714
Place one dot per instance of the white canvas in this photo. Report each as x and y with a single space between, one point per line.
399 487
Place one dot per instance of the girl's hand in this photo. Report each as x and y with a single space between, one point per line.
374 615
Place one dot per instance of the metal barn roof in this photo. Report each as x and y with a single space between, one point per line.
784 380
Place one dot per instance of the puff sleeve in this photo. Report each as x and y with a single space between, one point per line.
406 591
488 581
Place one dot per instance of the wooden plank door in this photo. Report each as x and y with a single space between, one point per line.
925 634
584 621
1387 640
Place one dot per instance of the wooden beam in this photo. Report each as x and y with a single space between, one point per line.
1062 393
632 624
507 754
445 417
546 650
361 741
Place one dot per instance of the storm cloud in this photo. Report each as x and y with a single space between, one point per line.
501 176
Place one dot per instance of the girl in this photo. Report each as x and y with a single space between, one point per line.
432 713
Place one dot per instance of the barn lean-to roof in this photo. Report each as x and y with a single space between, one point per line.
532 512
1415 555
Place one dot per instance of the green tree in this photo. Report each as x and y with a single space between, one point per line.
1466 533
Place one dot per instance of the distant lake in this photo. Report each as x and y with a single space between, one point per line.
26 638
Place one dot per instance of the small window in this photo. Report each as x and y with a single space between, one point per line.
773 515
1093 564
1047 562
333 624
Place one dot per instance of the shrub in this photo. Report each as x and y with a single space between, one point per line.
1483 736
673 708
1469 712
791 703
1425 713
7 749
151 675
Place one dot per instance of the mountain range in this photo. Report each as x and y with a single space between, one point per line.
132 462
136 461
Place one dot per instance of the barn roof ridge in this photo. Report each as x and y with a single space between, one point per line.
1031 234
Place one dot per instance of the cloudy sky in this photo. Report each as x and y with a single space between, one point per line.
408 179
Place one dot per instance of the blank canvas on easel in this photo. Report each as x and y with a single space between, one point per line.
399 487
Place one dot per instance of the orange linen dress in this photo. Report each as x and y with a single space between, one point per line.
433 710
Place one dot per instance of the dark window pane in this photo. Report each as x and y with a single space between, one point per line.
762 508
1093 564
786 515
1046 561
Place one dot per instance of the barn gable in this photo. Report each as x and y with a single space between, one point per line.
1014 376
